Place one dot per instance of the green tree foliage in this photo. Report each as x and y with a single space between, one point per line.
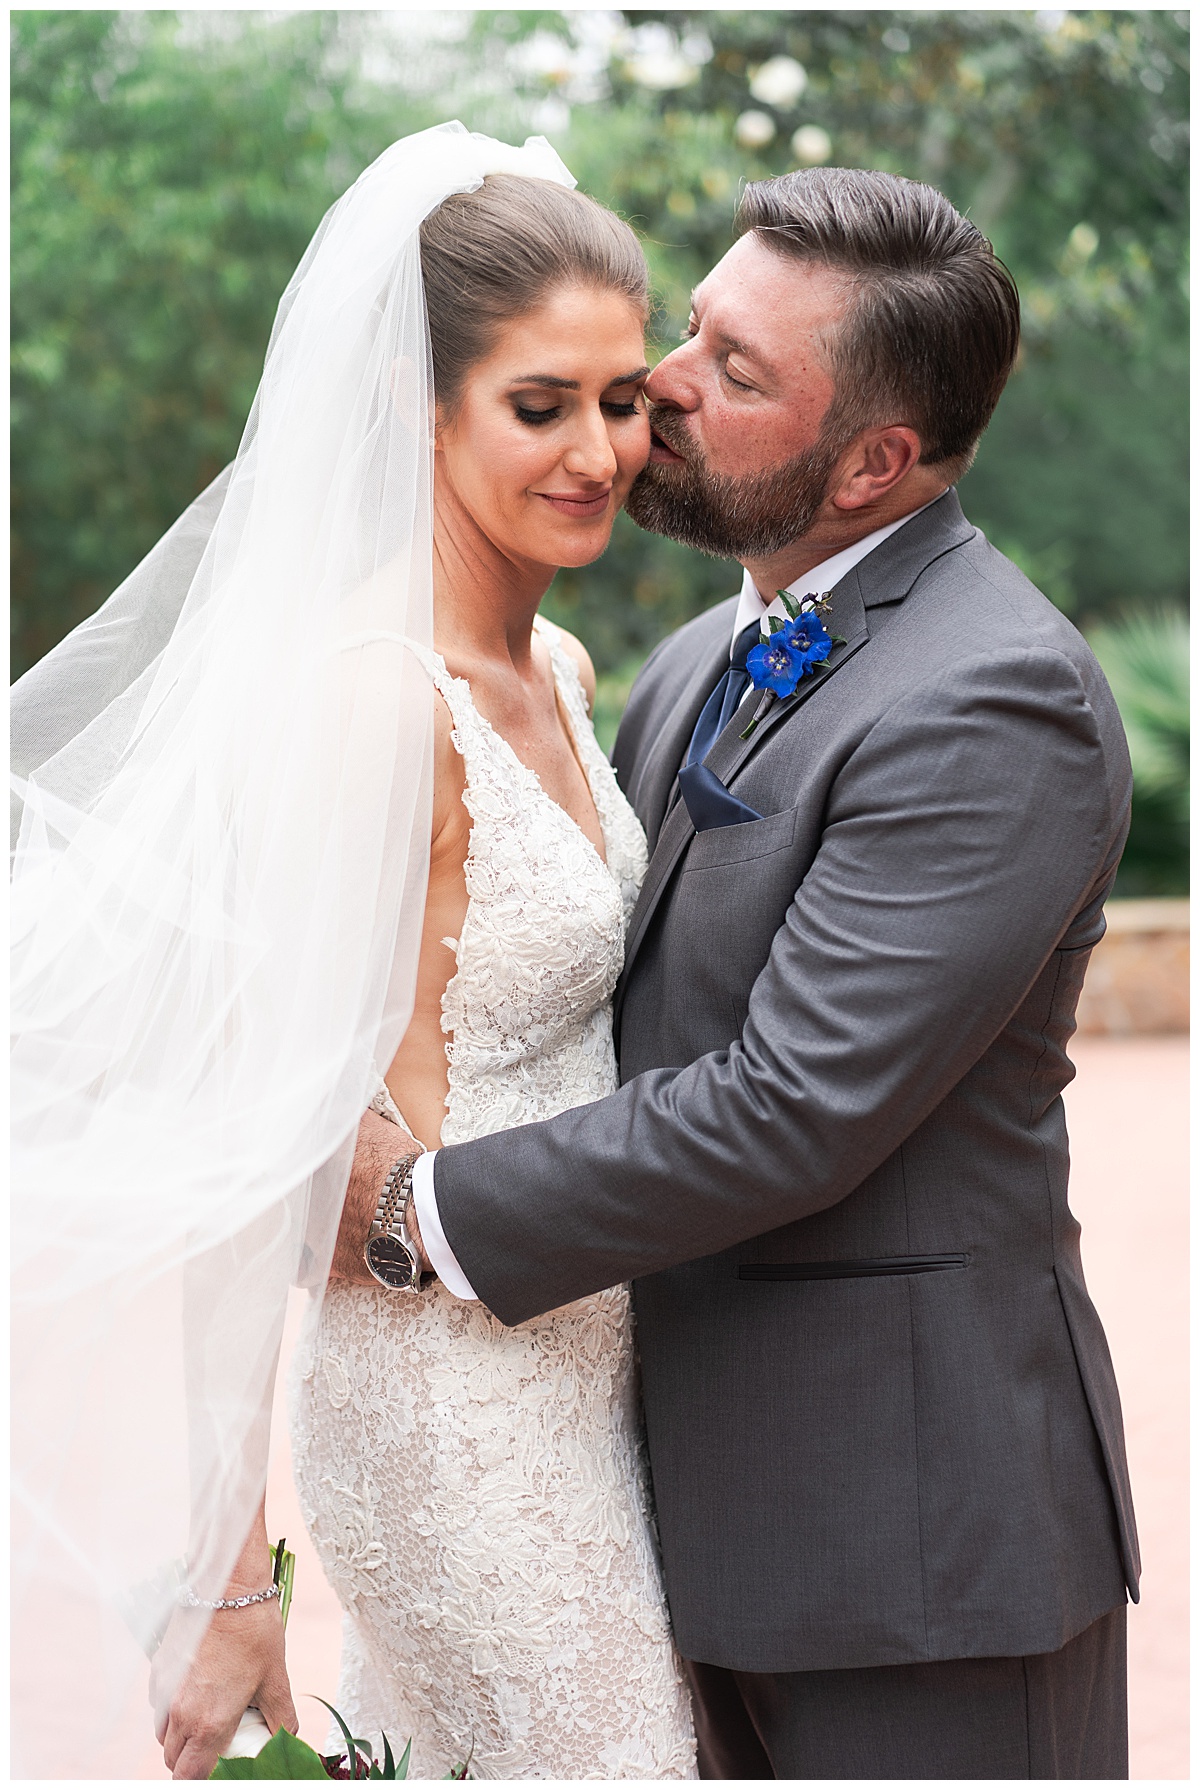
1062 135
168 169
165 183
1145 657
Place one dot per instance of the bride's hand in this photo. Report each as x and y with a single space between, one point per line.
239 1662
380 1142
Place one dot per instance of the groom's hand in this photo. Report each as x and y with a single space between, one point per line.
380 1142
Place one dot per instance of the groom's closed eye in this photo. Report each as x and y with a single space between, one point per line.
689 333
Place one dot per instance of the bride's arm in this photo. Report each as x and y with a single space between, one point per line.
239 1662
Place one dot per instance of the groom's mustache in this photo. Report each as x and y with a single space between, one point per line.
671 430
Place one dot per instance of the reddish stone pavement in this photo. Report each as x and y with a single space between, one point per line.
1127 1112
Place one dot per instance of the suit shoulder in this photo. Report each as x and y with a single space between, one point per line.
704 628
696 637
987 604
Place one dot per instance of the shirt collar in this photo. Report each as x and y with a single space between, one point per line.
751 606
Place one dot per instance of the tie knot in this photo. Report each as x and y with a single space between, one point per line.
746 641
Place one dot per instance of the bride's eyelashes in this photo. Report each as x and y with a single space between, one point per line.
535 418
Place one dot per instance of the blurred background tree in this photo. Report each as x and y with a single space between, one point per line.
168 169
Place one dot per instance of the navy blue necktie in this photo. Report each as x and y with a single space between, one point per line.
708 802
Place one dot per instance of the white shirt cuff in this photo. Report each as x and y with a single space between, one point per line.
441 1257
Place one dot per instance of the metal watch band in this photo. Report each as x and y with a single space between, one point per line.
390 1218
395 1192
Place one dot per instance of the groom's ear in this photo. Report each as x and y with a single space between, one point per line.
876 461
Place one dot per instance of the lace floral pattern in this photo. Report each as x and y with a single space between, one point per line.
477 1494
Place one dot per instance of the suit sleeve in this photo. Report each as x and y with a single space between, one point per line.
962 836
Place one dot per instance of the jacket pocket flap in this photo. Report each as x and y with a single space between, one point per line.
738 844
863 1270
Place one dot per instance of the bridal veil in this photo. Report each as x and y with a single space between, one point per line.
223 797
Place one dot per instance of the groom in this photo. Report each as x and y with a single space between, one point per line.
883 1426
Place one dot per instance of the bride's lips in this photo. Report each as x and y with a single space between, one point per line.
580 508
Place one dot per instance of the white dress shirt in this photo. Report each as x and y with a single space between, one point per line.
751 604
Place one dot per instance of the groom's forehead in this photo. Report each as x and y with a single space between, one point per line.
755 298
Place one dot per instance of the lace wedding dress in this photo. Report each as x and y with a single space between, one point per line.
478 1495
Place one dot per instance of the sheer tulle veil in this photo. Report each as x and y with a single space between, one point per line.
223 788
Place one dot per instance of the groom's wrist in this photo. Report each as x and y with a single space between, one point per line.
375 1153
424 1204
412 1225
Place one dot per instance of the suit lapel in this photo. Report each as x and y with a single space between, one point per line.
731 752
849 621
885 576
655 782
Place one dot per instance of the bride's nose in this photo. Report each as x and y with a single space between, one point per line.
591 455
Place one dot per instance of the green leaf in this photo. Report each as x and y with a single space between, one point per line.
389 1764
352 1745
402 1768
284 1756
283 1574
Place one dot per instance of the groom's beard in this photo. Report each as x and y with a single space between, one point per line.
747 518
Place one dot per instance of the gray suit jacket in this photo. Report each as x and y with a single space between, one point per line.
881 1412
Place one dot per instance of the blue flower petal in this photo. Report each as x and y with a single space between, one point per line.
793 652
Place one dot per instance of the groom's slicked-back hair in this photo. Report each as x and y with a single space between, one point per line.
933 324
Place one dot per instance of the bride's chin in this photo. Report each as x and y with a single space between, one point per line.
587 553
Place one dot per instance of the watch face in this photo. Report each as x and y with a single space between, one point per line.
390 1262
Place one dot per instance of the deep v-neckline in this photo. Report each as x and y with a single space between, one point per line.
577 753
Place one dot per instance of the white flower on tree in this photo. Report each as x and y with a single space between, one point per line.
754 130
779 82
811 145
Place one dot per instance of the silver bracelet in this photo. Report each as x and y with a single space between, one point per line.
190 1601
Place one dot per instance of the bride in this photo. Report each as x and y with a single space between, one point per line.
333 815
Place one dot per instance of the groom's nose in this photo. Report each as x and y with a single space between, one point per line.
670 382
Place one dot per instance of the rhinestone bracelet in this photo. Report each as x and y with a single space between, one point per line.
190 1601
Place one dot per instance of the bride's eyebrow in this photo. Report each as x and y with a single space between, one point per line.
572 385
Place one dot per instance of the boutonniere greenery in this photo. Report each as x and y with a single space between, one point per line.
790 650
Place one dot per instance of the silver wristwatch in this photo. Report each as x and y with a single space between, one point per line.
391 1254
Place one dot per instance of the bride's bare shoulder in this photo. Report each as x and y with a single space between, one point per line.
449 780
576 651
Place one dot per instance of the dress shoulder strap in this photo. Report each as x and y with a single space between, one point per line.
454 691
566 674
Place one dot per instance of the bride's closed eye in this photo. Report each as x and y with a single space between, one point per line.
535 418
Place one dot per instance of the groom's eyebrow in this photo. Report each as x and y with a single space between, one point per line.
731 342
572 385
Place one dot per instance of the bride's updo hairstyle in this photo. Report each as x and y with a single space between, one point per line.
490 256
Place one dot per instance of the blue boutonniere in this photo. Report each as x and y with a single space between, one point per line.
790 650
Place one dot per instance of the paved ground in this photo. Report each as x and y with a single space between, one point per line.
1128 1118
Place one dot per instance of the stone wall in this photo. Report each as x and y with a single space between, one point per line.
1137 980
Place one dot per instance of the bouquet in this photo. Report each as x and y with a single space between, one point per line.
257 1753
